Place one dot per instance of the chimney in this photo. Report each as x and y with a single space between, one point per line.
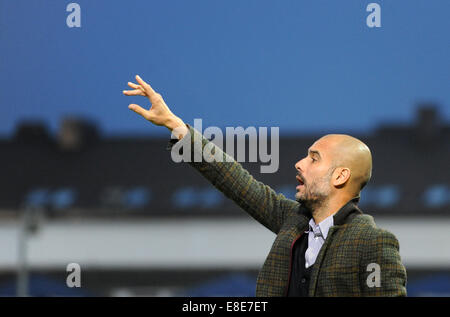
75 134
32 132
428 126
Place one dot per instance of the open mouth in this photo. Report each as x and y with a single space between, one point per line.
300 180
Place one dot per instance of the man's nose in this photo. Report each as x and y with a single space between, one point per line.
298 166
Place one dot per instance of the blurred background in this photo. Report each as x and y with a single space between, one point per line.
84 180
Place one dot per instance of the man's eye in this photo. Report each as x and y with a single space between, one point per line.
313 159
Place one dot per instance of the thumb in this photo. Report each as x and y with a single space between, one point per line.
138 109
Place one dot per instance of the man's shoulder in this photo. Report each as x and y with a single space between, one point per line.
366 228
363 221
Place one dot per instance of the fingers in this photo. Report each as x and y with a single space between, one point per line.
134 86
136 92
139 110
149 90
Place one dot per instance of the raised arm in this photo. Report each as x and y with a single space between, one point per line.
227 175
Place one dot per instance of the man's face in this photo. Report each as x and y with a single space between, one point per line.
314 174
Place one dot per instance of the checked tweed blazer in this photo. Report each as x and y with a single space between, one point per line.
342 266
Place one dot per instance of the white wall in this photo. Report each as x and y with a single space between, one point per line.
221 243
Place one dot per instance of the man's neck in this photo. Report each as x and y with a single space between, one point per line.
327 209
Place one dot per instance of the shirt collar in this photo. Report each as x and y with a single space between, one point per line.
324 226
341 217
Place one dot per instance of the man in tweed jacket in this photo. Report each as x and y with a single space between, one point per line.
330 178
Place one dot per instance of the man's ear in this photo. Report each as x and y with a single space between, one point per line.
340 176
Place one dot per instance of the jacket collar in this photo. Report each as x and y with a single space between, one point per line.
347 212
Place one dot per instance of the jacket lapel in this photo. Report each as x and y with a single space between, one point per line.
319 260
344 215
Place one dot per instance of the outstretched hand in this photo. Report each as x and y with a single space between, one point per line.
158 113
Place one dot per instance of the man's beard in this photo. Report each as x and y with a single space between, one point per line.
316 193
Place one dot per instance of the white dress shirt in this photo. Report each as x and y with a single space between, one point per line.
316 238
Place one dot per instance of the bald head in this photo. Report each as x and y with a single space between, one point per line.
353 154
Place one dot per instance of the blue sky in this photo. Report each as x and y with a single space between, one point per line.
305 66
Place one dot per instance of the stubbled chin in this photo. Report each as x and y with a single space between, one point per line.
300 192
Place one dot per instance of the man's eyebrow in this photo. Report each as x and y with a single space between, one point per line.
314 152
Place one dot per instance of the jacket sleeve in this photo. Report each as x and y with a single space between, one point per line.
383 273
228 176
